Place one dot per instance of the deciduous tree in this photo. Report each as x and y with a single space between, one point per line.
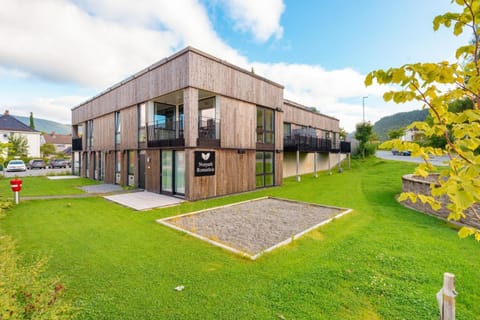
437 85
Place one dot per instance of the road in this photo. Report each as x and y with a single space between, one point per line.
36 172
436 161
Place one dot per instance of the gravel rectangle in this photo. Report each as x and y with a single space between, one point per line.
255 226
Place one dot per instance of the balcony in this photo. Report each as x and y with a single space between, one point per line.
165 134
77 144
345 147
306 144
208 132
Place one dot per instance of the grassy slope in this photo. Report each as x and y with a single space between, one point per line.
382 261
42 186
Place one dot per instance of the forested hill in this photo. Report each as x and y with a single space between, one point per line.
47 126
397 121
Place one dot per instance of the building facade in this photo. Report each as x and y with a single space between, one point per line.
194 126
11 126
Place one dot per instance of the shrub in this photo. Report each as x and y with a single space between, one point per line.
25 293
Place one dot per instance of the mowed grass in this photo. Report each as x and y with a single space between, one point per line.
382 261
42 186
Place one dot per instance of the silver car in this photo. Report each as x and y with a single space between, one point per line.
16 165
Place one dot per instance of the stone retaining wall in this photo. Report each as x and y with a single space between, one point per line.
420 185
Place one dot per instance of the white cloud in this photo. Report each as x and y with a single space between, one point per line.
55 109
96 43
326 90
261 18
12 73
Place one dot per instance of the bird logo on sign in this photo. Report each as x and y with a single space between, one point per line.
205 156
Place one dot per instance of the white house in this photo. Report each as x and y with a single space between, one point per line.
10 125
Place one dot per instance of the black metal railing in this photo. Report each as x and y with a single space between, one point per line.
306 144
345 147
77 144
165 134
208 132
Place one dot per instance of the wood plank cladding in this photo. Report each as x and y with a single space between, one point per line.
237 127
298 114
234 172
210 73
161 78
129 128
104 133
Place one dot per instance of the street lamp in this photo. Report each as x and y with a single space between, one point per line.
363 107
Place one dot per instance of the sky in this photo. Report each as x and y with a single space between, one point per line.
55 54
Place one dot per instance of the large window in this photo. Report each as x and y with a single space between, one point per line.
264 169
89 134
265 126
287 129
118 161
142 121
118 127
131 162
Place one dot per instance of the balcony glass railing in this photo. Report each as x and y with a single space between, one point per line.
168 133
208 132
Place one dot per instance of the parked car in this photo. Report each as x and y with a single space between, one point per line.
36 164
395 152
58 163
16 165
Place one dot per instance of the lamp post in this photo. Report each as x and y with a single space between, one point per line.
363 107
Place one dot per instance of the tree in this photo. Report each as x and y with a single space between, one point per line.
18 146
436 85
342 134
396 133
32 123
363 133
47 149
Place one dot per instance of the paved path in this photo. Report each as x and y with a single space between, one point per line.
136 199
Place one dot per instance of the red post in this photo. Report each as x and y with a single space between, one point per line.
16 185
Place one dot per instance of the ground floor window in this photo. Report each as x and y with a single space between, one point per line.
87 162
76 162
118 166
173 172
264 168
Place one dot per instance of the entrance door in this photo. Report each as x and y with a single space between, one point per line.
141 170
179 173
173 172
167 171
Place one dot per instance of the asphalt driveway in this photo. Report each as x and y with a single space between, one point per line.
436 161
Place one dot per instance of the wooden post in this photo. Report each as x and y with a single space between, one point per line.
340 169
446 297
298 165
315 175
329 165
349 160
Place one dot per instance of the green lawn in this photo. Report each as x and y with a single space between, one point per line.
42 186
382 261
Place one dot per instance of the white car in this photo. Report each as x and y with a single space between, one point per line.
16 165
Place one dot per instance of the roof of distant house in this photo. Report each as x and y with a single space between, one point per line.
54 138
9 123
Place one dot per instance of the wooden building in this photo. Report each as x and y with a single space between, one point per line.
195 126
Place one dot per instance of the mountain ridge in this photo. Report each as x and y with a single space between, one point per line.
397 121
47 126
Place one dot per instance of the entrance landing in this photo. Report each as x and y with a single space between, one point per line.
143 200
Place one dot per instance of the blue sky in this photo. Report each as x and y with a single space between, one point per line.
319 50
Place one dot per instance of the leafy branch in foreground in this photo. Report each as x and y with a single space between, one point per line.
436 85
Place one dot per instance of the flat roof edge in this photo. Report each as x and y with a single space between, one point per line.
170 58
301 106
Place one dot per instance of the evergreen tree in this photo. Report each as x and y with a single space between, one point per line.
32 123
